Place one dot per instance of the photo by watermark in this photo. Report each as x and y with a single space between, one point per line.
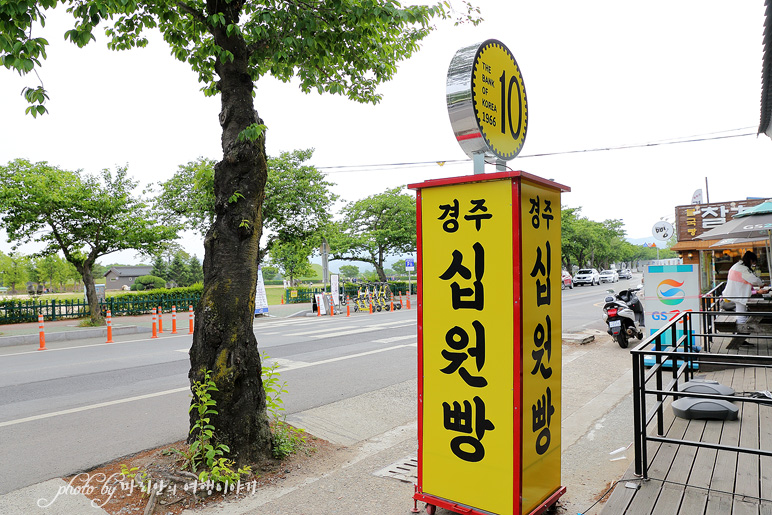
101 488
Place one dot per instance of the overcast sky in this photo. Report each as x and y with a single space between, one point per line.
598 74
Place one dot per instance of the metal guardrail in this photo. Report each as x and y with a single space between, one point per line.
676 364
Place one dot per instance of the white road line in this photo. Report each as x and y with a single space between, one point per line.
364 329
88 346
395 339
284 365
93 406
294 365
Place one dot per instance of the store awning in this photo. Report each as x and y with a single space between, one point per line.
709 244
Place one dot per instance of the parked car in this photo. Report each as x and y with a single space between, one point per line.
625 274
587 276
609 276
567 281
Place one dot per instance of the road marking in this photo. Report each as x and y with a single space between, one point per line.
93 406
284 365
395 339
88 346
318 333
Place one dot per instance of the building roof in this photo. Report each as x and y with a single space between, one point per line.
130 271
766 74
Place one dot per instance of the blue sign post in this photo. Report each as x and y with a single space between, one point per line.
409 267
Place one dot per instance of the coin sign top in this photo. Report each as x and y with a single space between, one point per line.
498 93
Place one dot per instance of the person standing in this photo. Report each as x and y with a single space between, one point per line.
740 283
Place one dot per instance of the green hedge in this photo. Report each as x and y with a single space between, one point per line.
196 289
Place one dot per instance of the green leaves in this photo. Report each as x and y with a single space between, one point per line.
252 133
375 227
35 96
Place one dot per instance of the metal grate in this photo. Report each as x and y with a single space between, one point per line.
405 470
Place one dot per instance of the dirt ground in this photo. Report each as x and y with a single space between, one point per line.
170 490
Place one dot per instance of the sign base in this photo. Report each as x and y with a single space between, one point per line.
438 502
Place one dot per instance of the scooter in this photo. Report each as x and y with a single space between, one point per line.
623 312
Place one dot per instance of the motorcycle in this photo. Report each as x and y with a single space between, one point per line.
623 312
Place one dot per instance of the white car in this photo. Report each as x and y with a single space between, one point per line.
586 276
609 276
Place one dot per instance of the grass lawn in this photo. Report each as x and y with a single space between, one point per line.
274 293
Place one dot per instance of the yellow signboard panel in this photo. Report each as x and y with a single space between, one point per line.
542 338
489 338
468 361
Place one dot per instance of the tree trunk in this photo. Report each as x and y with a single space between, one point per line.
91 295
223 340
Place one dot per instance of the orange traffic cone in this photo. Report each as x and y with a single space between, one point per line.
42 333
109 327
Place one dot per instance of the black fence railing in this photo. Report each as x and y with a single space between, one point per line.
676 356
351 290
19 311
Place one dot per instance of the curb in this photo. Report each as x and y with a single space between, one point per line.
79 334
578 338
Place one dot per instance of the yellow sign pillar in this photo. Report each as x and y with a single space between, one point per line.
489 343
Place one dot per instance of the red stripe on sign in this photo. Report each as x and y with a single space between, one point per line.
469 136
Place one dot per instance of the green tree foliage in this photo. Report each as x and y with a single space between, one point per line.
349 271
292 259
178 270
82 216
14 269
189 195
344 47
195 271
33 272
160 267
298 201
375 227
599 244
269 272
52 270
399 267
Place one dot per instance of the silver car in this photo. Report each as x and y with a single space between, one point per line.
609 276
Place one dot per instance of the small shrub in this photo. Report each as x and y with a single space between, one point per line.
287 440
150 282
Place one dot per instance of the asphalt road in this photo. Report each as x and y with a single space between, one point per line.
88 403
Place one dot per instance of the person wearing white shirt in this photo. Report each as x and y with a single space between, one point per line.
740 283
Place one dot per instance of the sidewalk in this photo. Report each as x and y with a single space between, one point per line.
353 480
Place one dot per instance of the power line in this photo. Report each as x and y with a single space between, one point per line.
697 138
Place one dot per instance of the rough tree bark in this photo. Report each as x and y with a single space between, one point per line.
86 272
223 340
